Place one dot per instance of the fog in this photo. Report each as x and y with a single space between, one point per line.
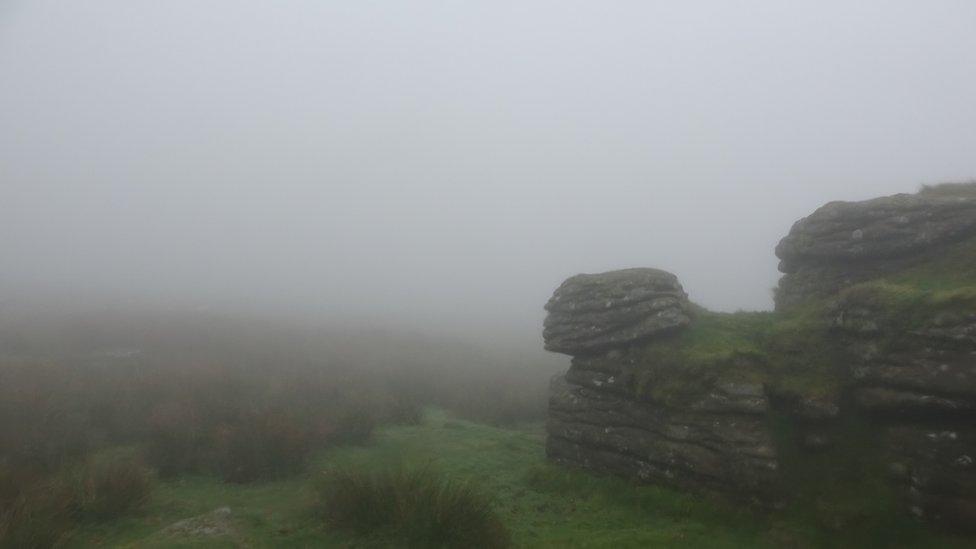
445 165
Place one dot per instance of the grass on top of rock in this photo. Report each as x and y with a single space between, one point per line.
936 292
716 346
798 352
964 189
789 351
953 266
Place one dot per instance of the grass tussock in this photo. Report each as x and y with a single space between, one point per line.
243 400
205 395
40 512
109 488
40 516
414 507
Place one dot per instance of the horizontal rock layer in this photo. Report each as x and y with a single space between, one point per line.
720 450
592 312
880 228
843 243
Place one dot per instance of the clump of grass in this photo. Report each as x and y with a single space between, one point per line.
354 426
41 512
39 517
176 440
416 507
109 488
261 445
402 410
650 499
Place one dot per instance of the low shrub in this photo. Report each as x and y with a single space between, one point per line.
261 446
502 404
39 517
175 441
416 507
354 426
40 511
109 488
403 411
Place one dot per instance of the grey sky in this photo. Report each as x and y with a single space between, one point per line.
449 163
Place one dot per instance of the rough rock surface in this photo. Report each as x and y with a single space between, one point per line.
847 242
722 445
934 464
217 523
594 312
920 388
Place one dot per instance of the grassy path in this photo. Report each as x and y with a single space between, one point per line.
543 505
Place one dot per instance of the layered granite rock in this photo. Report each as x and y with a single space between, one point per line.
600 419
843 243
718 443
916 379
593 312
877 376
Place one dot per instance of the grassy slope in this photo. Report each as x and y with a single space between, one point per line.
543 505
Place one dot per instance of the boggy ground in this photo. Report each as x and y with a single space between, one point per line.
543 505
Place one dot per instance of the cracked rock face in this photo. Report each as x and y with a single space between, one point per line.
594 312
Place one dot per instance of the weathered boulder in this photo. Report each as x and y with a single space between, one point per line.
843 243
885 227
594 312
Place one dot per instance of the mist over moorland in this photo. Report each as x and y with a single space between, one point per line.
286 274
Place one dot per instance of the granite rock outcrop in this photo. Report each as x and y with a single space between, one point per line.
866 369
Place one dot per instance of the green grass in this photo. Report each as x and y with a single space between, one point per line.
766 348
541 504
419 507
